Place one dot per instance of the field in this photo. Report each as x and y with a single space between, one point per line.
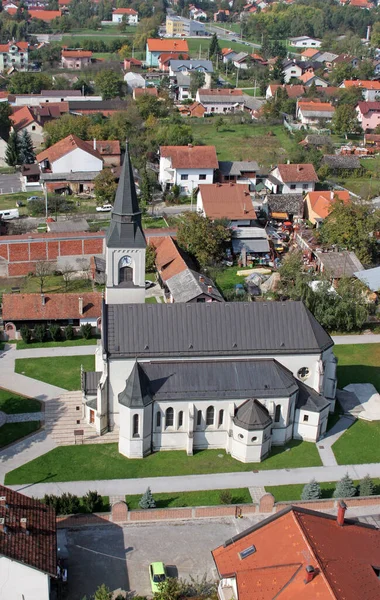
52 284
62 371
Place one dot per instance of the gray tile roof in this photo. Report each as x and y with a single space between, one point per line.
258 245
186 286
90 380
70 225
192 65
212 329
237 167
314 139
370 278
227 98
289 203
183 79
252 416
309 399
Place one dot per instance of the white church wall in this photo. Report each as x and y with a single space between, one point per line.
306 429
250 446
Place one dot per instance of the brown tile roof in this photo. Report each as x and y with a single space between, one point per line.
293 91
366 107
285 544
36 545
63 147
20 45
169 260
51 109
21 118
191 157
295 173
29 307
105 147
45 15
76 53
156 45
227 200
151 91
125 11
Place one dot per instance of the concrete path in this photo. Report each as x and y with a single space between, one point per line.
219 481
24 417
325 446
367 338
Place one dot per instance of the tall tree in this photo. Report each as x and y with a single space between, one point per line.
12 150
108 83
197 80
366 487
26 150
5 122
214 46
345 119
105 187
345 488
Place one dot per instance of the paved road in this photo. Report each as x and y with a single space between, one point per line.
370 338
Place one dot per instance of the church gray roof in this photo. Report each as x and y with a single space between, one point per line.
136 393
125 230
252 415
212 329
309 399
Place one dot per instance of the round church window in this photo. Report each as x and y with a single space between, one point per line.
303 373
241 436
126 261
254 438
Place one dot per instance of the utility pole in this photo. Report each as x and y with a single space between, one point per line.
200 52
254 89
237 77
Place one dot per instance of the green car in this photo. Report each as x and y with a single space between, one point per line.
157 574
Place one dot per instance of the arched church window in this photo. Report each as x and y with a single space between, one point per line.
221 417
158 419
210 413
180 419
277 414
169 417
135 425
125 269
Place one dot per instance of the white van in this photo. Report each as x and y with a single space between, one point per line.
11 213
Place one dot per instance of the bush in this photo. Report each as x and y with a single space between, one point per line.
366 487
86 331
53 501
26 334
40 332
345 488
55 332
311 491
92 502
69 504
69 332
147 500
150 256
225 497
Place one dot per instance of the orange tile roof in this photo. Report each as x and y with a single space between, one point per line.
20 45
64 2
166 56
317 106
226 51
29 307
285 544
45 15
169 261
310 52
365 84
305 77
69 143
220 92
157 45
361 4
297 173
227 200
191 157
21 118
321 202
76 53
125 11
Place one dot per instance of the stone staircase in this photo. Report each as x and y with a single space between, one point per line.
64 415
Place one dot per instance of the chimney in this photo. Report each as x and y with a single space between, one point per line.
342 507
201 279
80 305
3 500
310 574
23 523
209 289
43 299
94 143
299 168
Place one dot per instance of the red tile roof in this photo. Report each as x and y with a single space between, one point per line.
169 261
21 118
227 200
310 52
366 107
305 77
29 307
191 157
293 91
45 15
76 53
285 544
321 202
312 105
157 45
365 84
35 545
361 4
22 46
297 173
151 91
63 147
105 147
125 11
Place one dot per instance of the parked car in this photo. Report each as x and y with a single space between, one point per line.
33 198
104 208
157 574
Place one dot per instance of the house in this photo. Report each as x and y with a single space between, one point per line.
44 15
182 87
342 162
326 59
50 96
221 101
241 60
46 112
368 114
23 119
109 151
14 55
224 379
292 179
238 172
197 13
310 54
155 47
370 278
75 59
316 140
221 16
308 78
134 80
284 207
28 547
130 63
301 554
304 41
194 110
179 26
372 140
338 264
231 201
187 167
346 59
63 309
228 55
166 57
292 70
371 89
128 15
150 91
177 275
310 112
363 4
92 107
293 91
319 204
190 66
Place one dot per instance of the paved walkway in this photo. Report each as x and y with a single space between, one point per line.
368 338
23 417
325 446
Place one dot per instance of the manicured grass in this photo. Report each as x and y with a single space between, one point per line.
226 278
151 300
359 444
62 371
63 344
358 363
289 493
153 222
267 144
12 404
52 284
103 461
11 432
182 499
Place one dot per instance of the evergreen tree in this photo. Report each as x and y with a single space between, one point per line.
26 150
345 488
12 150
366 486
214 46
311 491
147 500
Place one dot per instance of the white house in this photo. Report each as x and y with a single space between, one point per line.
304 41
70 155
370 89
129 15
28 547
312 113
239 376
23 119
221 101
292 179
291 70
187 167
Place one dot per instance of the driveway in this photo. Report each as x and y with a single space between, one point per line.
10 183
120 556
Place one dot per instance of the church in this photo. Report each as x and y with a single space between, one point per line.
239 376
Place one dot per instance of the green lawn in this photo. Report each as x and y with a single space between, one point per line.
267 144
182 499
288 493
226 278
52 284
359 444
11 432
153 222
62 371
12 404
103 461
199 47
63 344
151 300
358 363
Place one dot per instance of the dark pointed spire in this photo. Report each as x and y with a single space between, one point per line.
125 230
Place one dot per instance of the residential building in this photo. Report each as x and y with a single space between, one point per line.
346 59
238 172
46 112
166 57
363 4
292 70
197 13
14 55
103 107
23 118
28 547
130 63
319 204
310 112
310 54
187 167
182 87
301 554
371 89
316 140
293 91
224 380
134 80
241 60
304 41
189 66
292 179
129 15
308 78
284 207
193 110
231 201
221 16
181 27
228 55
50 96
155 47
368 114
109 151
44 15
221 101
327 59
75 59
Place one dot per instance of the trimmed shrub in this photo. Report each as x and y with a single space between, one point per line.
86 331
69 332
55 332
40 332
26 334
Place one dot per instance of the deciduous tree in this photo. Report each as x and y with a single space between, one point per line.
345 119
197 80
105 187
203 238
108 83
